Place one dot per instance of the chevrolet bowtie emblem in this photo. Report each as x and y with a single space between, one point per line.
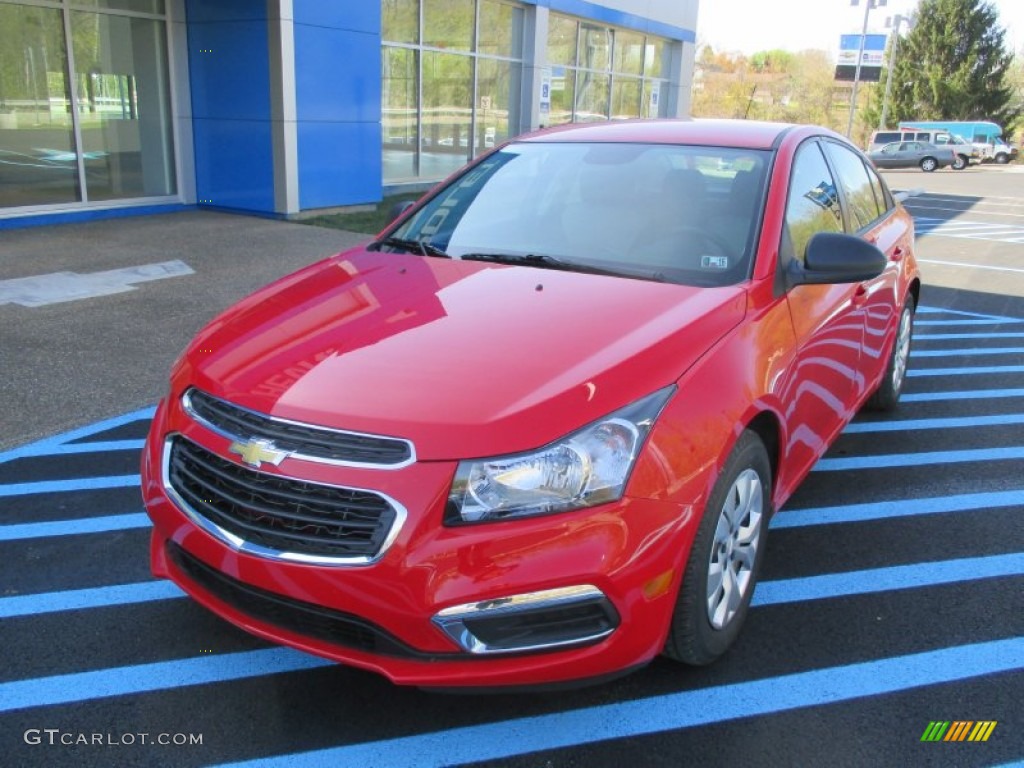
255 452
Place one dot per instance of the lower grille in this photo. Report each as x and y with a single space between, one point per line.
296 616
279 515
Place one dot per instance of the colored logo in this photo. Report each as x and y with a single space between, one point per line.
958 730
255 452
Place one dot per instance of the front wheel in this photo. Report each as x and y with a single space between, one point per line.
960 162
725 559
888 392
1002 158
929 164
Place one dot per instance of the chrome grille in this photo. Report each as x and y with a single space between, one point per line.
278 516
303 441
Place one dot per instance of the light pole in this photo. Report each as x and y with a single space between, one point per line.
895 24
868 5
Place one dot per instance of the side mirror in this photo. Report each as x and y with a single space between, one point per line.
399 208
834 257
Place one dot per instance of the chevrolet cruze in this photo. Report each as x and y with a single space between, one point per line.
534 432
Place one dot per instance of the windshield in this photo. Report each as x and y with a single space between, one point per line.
665 212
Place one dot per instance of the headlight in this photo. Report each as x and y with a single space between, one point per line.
588 467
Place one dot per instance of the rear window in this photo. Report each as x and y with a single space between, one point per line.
885 137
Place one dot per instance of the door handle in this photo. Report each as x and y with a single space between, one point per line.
897 254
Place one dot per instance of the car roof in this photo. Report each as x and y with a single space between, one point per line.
744 134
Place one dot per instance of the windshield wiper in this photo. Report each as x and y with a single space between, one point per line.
550 262
421 247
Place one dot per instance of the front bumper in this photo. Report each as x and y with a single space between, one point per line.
560 598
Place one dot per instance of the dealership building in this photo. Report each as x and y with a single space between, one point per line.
287 107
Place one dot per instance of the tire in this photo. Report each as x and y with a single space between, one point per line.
929 164
733 530
960 163
1002 158
887 395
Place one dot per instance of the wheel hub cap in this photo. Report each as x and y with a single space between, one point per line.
734 549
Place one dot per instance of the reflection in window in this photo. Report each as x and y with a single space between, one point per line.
400 20
813 204
501 29
443 107
562 40
497 81
599 73
448 24
853 176
447 105
124 105
400 106
38 163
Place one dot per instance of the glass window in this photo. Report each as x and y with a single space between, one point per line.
591 96
631 209
595 47
400 20
626 98
447 107
853 176
38 161
501 29
656 55
498 82
562 40
884 203
813 204
399 110
448 24
563 92
124 105
629 53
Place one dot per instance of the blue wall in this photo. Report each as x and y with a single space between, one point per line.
229 70
338 101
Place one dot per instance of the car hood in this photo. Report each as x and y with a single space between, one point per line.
464 358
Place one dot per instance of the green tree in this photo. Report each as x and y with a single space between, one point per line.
953 65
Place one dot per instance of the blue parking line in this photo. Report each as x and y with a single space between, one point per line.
905 425
964 336
972 394
989 321
97 447
972 352
930 310
926 458
74 484
105 524
865 582
77 434
884 510
670 712
96 597
157 676
990 369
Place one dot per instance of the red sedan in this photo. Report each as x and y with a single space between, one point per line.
534 432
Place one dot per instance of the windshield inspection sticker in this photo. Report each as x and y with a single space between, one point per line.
714 262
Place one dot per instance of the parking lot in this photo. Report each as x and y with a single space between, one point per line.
892 596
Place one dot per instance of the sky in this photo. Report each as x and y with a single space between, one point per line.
748 26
